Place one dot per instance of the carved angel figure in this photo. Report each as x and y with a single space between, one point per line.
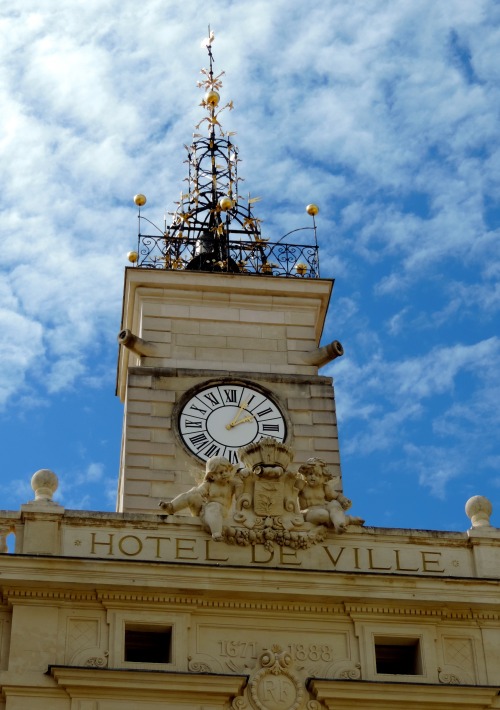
320 503
212 499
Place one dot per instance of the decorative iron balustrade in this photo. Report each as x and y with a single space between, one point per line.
223 255
211 228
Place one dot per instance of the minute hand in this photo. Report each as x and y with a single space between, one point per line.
236 419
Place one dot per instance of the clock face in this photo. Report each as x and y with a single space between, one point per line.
218 420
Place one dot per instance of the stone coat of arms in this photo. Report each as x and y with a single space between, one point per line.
263 502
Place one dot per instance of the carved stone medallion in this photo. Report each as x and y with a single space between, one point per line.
275 686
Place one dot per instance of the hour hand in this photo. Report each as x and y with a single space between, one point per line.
240 421
236 420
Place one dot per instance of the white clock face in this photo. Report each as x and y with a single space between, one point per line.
218 420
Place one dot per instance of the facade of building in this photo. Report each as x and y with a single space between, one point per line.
233 574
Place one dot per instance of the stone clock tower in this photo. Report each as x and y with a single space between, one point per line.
220 333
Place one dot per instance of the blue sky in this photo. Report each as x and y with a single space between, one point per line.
386 114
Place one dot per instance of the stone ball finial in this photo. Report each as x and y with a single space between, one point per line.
45 483
478 509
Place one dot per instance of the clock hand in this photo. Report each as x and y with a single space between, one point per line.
241 421
236 420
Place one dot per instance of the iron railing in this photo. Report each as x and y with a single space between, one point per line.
231 256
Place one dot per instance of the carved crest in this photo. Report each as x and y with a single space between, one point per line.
264 503
267 509
276 686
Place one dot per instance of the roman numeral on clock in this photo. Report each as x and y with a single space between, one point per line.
212 450
263 412
197 409
193 425
199 441
211 397
231 455
270 427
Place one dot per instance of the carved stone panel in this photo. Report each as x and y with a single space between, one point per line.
83 643
459 663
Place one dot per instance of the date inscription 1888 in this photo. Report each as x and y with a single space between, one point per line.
299 651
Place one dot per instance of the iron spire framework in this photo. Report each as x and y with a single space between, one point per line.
213 227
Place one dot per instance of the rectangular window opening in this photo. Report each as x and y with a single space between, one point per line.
148 644
398 656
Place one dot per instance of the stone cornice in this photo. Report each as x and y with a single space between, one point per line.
222 583
371 695
143 371
120 599
140 685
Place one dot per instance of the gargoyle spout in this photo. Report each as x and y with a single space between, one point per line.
135 344
321 356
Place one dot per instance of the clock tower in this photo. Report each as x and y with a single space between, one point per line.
220 331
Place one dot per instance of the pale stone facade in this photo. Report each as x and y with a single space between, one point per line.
287 608
245 626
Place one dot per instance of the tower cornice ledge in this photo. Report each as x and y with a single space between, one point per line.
240 308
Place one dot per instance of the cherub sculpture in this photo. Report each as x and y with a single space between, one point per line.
212 499
319 502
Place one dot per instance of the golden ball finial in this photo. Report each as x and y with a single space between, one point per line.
312 210
212 98
140 200
132 256
225 203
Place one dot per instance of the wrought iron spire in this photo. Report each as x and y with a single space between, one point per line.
213 227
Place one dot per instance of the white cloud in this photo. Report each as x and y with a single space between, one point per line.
384 114
95 471
387 399
22 347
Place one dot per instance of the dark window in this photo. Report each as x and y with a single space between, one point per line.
148 644
397 656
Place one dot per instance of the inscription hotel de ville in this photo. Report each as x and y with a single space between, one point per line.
262 514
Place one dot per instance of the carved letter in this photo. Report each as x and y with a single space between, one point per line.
179 549
208 555
332 558
276 691
426 561
109 543
254 554
370 561
138 548
403 569
158 543
286 552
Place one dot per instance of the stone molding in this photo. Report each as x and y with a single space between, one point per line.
158 372
349 611
375 695
143 685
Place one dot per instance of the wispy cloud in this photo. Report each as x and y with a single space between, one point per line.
384 114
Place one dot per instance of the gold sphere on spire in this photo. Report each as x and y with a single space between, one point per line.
132 256
312 210
225 203
140 200
212 98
